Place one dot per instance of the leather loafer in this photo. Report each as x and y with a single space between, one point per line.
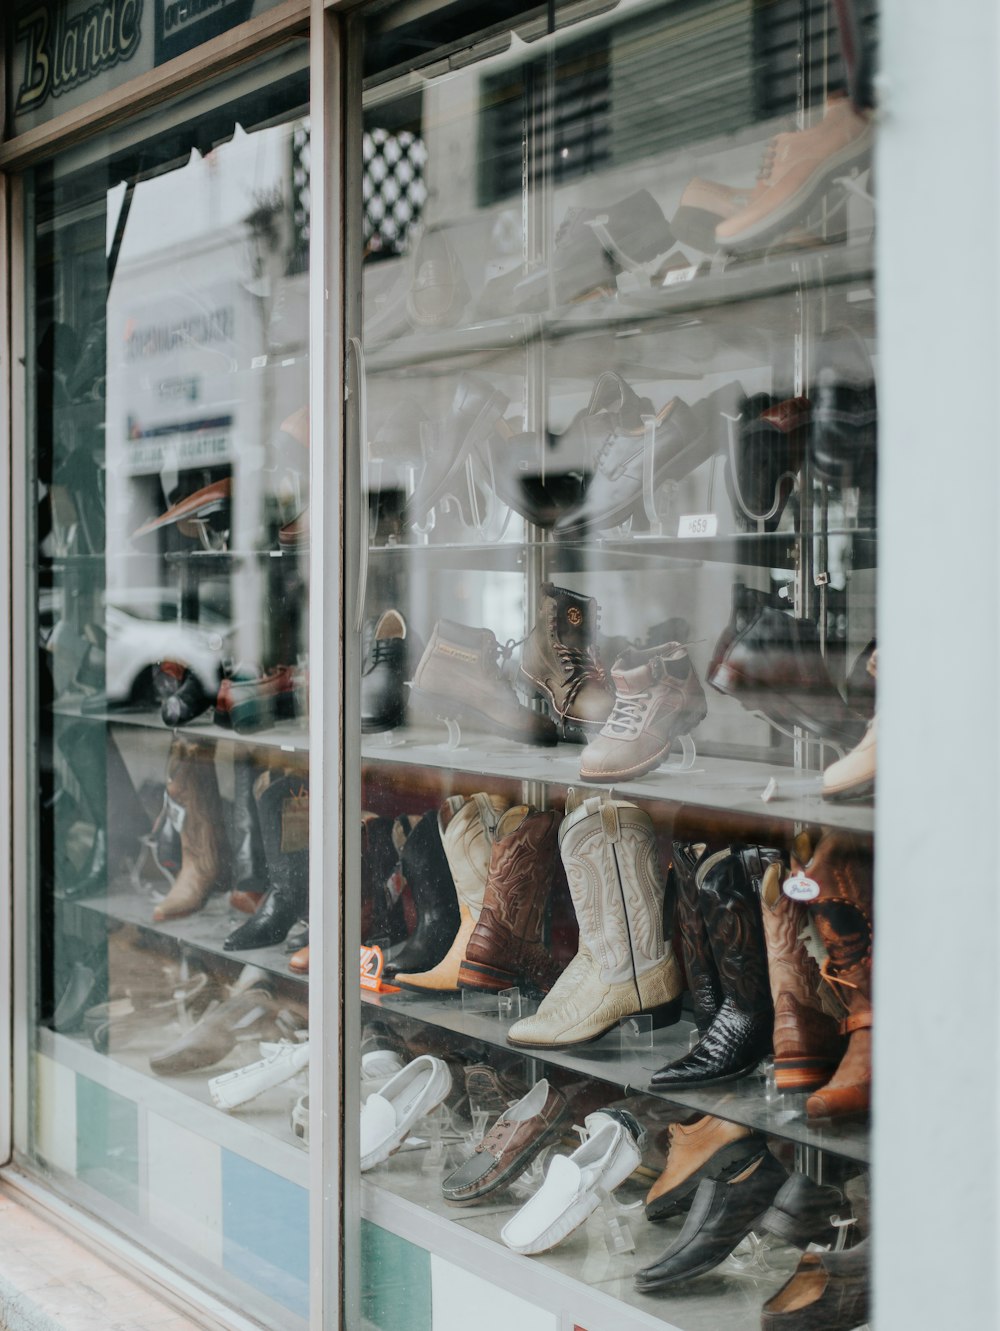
708 1148
828 1292
722 1215
575 1184
388 1115
508 1147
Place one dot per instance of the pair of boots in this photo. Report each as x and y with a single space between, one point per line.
269 857
501 861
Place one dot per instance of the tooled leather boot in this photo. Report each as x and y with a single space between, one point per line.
505 949
807 1041
842 869
561 660
467 837
699 964
425 870
193 790
459 677
740 1034
624 965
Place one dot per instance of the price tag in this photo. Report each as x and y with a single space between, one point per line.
697 524
372 966
677 275
801 888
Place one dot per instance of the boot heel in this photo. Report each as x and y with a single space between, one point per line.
667 1014
486 979
802 1074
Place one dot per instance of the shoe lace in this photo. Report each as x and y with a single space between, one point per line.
628 716
381 651
767 161
583 667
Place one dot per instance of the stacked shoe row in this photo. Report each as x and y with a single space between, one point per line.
719 1176
630 714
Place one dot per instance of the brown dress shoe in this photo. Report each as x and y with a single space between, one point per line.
505 948
708 1148
807 1041
193 789
459 678
842 870
659 698
203 504
299 961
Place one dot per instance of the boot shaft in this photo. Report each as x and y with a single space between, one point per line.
521 865
792 970
283 809
729 886
467 840
612 866
842 868
699 963
562 657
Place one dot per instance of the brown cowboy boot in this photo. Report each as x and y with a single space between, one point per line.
195 805
842 869
807 1041
505 948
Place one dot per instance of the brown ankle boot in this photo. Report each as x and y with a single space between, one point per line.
841 868
505 948
562 661
193 791
807 1042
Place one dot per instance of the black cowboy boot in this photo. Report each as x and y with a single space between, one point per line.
426 872
284 823
249 864
740 1034
699 964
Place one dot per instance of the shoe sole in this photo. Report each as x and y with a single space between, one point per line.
792 1075
724 1164
471 716
797 206
685 724
858 790
692 1083
667 1014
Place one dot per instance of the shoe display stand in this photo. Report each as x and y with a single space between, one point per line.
742 777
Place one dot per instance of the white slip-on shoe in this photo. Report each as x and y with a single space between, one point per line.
388 1115
378 1067
576 1184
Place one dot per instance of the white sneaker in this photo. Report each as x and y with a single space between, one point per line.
388 1115
575 1185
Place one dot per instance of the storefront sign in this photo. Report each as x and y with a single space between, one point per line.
60 53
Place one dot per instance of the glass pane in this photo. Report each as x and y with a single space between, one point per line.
614 772
167 340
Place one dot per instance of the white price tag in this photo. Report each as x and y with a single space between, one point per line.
801 888
698 524
677 275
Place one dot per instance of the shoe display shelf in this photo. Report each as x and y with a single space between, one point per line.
581 1274
289 738
742 298
259 1131
727 785
203 932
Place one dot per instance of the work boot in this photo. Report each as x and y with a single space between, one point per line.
467 839
702 974
841 867
623 965
425 871
797 168
741 1032
193 792
459 678
505 949
284 825
658 698
807 1041
561 659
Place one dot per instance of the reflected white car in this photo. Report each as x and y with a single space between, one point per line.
141 634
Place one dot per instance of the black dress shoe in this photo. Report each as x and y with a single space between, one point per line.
188 701
383 676
722 1215
764 459
740 1034
803 1212
828 1292
776 667
426 872
288 868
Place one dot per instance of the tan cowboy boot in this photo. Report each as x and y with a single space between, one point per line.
196 805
